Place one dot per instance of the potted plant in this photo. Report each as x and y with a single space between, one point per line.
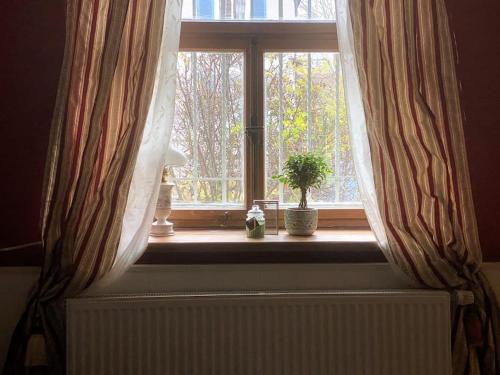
303 171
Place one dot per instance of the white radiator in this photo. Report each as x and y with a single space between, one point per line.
316 333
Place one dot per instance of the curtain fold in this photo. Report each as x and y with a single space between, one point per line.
107 79
409 150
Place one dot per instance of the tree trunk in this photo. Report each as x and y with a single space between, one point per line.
303 198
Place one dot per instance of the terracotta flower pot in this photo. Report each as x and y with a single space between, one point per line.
301 222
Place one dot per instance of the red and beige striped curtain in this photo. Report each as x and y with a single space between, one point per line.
106 85
409 150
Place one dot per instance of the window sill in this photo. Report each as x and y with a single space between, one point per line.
232 246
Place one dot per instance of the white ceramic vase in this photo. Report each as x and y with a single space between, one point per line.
163 227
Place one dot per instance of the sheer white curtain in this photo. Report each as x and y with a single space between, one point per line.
143 192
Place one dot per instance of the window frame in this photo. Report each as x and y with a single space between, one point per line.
254 39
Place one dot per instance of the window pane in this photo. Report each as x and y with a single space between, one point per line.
259 9
208 128
305 111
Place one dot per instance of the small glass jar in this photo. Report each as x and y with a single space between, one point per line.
255 223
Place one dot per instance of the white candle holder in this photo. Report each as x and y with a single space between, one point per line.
162 227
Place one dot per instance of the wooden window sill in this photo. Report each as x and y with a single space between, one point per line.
232 246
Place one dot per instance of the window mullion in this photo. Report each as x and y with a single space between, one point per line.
256 126
250 66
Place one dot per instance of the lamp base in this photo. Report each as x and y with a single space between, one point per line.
162 230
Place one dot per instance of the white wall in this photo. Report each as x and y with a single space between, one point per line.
15 282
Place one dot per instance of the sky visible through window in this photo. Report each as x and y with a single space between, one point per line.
259 9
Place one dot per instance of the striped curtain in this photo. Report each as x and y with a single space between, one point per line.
106 84
419 195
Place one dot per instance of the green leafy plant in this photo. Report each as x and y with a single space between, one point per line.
304 171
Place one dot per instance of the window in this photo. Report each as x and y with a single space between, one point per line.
257 81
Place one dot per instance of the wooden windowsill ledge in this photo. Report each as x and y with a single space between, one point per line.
232 246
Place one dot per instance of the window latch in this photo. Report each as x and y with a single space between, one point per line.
225 220
253 133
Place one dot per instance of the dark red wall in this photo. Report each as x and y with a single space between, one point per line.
31 49
31 45
476 25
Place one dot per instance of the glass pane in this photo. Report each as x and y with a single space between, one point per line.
259 9
208 129
305 111
209 191
235 191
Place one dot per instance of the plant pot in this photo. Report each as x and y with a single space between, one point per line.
301 221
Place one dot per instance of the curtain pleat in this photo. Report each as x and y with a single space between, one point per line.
107 79
417 186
